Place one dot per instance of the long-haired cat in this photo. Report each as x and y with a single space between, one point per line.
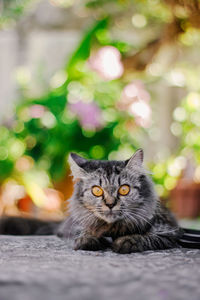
117 199
114 205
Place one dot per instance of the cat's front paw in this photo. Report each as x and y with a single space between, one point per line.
126 244
87 243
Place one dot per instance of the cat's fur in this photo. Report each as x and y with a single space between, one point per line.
131 223
135 222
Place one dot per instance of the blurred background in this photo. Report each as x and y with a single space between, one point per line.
100 78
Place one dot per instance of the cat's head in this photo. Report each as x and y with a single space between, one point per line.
113 190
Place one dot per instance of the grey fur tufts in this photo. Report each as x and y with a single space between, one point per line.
136 221
75 162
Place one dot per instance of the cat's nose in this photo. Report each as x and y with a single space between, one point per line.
109 201
110 205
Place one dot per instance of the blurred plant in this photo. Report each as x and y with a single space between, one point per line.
95 106
185 162
80 114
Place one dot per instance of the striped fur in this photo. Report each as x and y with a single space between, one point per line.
137 221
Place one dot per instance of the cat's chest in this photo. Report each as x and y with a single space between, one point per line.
120 229
114 230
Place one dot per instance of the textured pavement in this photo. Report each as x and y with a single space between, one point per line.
46 268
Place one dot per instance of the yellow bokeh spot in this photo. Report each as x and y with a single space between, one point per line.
97 152
58 79
193 100
197 175
23 76
159 171
170 183
16 148
139 20
176 129
88 133
48 120
180 114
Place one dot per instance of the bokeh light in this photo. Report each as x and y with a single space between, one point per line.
89 114
107 63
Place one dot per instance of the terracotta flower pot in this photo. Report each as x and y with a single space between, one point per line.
25 204
66 187
185 199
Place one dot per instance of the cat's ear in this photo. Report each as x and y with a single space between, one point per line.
76 165
136 159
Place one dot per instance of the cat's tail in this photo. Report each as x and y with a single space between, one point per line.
190 238
27 226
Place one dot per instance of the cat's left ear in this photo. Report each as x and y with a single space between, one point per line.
77 165
136 159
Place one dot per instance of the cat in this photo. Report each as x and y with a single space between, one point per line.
117 199
114 205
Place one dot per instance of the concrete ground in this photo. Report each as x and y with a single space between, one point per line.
46 268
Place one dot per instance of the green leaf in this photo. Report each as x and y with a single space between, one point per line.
83 50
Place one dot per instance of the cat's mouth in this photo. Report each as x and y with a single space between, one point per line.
110 216
109 213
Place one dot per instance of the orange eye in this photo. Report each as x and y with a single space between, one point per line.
124 190
97 191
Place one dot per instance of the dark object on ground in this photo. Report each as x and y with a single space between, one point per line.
27 226
46 268
190 238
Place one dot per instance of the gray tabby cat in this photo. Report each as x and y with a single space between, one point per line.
117 199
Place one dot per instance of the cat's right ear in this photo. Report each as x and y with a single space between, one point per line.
136 159
76 162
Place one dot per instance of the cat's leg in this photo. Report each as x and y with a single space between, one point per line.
163 234
91 243
139 243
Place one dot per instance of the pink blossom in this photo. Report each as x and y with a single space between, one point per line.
53 200
135 99
142 113
134 91
36 111
106 62
89 114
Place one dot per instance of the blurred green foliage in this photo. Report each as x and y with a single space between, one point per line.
46 129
